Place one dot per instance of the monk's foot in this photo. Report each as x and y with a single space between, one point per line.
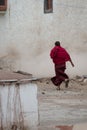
66 83
58 88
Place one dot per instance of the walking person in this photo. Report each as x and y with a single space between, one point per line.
60 56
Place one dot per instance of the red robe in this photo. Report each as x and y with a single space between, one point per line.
59 56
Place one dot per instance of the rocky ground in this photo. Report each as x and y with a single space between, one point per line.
63 107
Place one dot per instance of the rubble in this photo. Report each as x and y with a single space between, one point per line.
81 78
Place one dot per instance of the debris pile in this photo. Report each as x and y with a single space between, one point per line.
81 78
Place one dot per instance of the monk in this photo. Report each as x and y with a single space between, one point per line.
60 56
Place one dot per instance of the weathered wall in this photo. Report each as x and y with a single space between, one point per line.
19 105
27 35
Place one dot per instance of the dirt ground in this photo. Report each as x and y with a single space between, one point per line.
77 84
66 106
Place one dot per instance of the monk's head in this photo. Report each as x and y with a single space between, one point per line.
57 43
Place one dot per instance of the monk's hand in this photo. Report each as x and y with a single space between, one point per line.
72 64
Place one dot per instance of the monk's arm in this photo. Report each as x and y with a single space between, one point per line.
71 62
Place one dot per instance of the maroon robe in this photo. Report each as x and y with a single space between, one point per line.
59 56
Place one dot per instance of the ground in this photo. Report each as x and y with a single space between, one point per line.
64 107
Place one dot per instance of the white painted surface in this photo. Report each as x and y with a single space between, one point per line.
10 104
27 35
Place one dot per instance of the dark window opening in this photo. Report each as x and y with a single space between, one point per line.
48 6
3 5
2 2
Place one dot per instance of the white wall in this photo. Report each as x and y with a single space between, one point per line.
27 35
19 103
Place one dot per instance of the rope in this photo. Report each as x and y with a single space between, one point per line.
14 117
8 113
18 119
1 113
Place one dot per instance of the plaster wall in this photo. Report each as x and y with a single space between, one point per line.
27 35
19 105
